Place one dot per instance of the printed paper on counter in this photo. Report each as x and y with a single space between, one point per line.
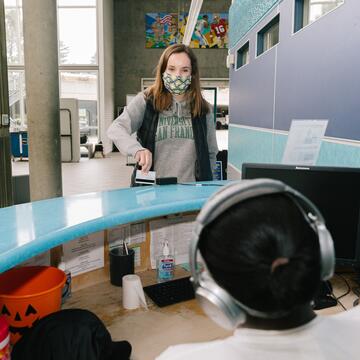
85 253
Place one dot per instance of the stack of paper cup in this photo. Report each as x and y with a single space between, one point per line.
132 292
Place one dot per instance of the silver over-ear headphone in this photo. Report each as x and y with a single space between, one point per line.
217 303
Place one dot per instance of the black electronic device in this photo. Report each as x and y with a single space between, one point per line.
324 297
170 292
323 302
334 190
166 180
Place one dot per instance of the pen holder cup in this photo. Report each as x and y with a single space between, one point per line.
120 264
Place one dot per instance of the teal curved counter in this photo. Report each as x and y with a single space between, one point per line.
29 229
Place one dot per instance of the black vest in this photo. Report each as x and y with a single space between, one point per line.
146 137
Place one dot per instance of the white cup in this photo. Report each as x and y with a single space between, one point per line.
132 292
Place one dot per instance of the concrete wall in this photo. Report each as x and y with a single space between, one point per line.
133 61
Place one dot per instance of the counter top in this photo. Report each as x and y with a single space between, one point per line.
29 229
151 331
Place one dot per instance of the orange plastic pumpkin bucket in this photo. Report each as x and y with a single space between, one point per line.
27 294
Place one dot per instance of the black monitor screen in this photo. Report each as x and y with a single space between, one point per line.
334 190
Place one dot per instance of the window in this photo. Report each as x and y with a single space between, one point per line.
82 85
242 56
15 59
77 3
14 33
307 11
17 100
77 36
268 36
78 59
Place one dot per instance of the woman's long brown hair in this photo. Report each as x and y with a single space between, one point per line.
162 98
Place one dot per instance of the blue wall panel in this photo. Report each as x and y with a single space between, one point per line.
253 145
252 86
253 103
317 71
246 145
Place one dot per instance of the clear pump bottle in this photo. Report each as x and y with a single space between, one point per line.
165 264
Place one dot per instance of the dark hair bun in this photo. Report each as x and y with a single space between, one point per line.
240 246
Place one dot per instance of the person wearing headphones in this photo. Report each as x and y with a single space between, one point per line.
265 249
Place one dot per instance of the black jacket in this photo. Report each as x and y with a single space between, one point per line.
146 137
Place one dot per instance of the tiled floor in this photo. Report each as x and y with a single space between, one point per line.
89 175
111 172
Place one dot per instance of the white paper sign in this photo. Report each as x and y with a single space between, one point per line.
131 233
137 255
137 233
304 141
118 235
177 231
85 253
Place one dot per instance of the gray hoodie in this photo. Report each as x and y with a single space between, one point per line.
175 152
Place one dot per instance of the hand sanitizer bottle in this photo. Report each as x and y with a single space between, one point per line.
165 264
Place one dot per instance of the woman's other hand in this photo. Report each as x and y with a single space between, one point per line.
144 159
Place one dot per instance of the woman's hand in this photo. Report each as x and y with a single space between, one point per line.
144 159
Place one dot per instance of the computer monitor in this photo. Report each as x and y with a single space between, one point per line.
334 190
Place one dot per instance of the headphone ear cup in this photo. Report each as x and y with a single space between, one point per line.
327 252
218 305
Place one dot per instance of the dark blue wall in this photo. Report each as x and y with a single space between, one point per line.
252 95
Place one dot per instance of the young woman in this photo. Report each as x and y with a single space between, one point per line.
174 124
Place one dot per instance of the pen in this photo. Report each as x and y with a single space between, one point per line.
126 248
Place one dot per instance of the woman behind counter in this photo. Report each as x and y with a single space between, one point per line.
174 124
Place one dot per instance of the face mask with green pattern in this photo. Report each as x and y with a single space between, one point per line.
177 85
